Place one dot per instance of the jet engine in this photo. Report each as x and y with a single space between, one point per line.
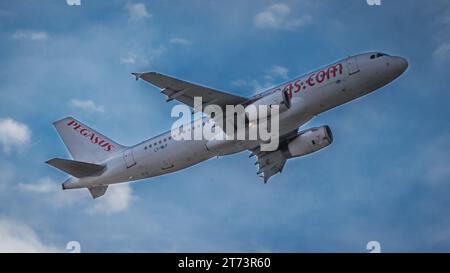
310 141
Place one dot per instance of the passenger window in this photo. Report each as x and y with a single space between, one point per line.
160 142
372 57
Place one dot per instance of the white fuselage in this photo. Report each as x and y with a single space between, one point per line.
310 95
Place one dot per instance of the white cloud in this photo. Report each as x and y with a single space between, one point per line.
30 35
13 134
133 59
16 237
273 76
255 86
180 41
54 194
442 52
278 16
240 83
117 199
278 72
129 60
45 185
138 11
87 105
140 57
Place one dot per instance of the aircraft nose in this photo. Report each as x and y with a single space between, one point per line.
400 65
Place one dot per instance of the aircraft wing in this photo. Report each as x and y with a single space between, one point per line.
183 91
271 163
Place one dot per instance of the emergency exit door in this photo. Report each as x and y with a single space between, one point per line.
352 65
129 158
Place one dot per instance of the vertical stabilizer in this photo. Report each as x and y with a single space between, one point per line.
84 143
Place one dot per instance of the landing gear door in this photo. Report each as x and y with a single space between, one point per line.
129 158
352 66
167 164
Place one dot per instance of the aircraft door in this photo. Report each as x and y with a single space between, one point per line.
352 66
129 158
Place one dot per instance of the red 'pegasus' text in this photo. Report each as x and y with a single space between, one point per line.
93 137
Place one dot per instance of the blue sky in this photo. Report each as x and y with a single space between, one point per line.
385 178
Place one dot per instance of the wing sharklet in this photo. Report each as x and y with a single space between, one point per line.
137 75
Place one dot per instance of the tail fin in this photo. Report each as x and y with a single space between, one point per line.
83 143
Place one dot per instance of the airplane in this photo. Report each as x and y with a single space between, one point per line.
97 161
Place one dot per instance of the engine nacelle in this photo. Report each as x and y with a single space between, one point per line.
310 141
279 97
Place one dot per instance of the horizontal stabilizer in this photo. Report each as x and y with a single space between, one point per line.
77 168
98 191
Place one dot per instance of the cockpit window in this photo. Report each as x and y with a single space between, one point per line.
378 55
